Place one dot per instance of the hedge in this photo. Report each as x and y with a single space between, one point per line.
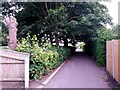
97 47
97 50
42 58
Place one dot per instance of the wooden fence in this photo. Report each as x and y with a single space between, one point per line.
15 66
113 58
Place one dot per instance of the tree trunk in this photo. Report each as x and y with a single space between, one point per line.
65 42
51 39
56 40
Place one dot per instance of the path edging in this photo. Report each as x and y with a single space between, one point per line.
53 74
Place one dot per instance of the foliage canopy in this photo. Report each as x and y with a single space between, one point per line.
68 21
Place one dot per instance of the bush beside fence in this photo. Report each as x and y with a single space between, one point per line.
97 50
97 47
42 58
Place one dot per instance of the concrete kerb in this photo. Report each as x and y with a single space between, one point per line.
44 83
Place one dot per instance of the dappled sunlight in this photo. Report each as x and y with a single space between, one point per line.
80 47
79 50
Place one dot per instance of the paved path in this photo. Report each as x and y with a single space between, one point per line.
79 72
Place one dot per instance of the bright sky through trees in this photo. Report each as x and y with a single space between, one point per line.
113 9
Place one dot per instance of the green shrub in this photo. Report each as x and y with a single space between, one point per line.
97 47
101 53
90 48
42 58
103 35
97 50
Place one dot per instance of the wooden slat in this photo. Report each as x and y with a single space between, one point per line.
10 61
116 59
12 57
12 79
110 57
9 51
13 54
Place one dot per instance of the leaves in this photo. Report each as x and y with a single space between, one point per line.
74 21
97 47
42 58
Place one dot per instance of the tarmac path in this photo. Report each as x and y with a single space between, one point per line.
80 71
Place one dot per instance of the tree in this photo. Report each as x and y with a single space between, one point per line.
59 26
70 21
38 24
116 30
89 16
11 8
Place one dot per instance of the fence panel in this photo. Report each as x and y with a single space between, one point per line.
15 66
113 58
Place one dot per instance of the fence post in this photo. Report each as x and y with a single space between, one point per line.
113 65
27 72
107 54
